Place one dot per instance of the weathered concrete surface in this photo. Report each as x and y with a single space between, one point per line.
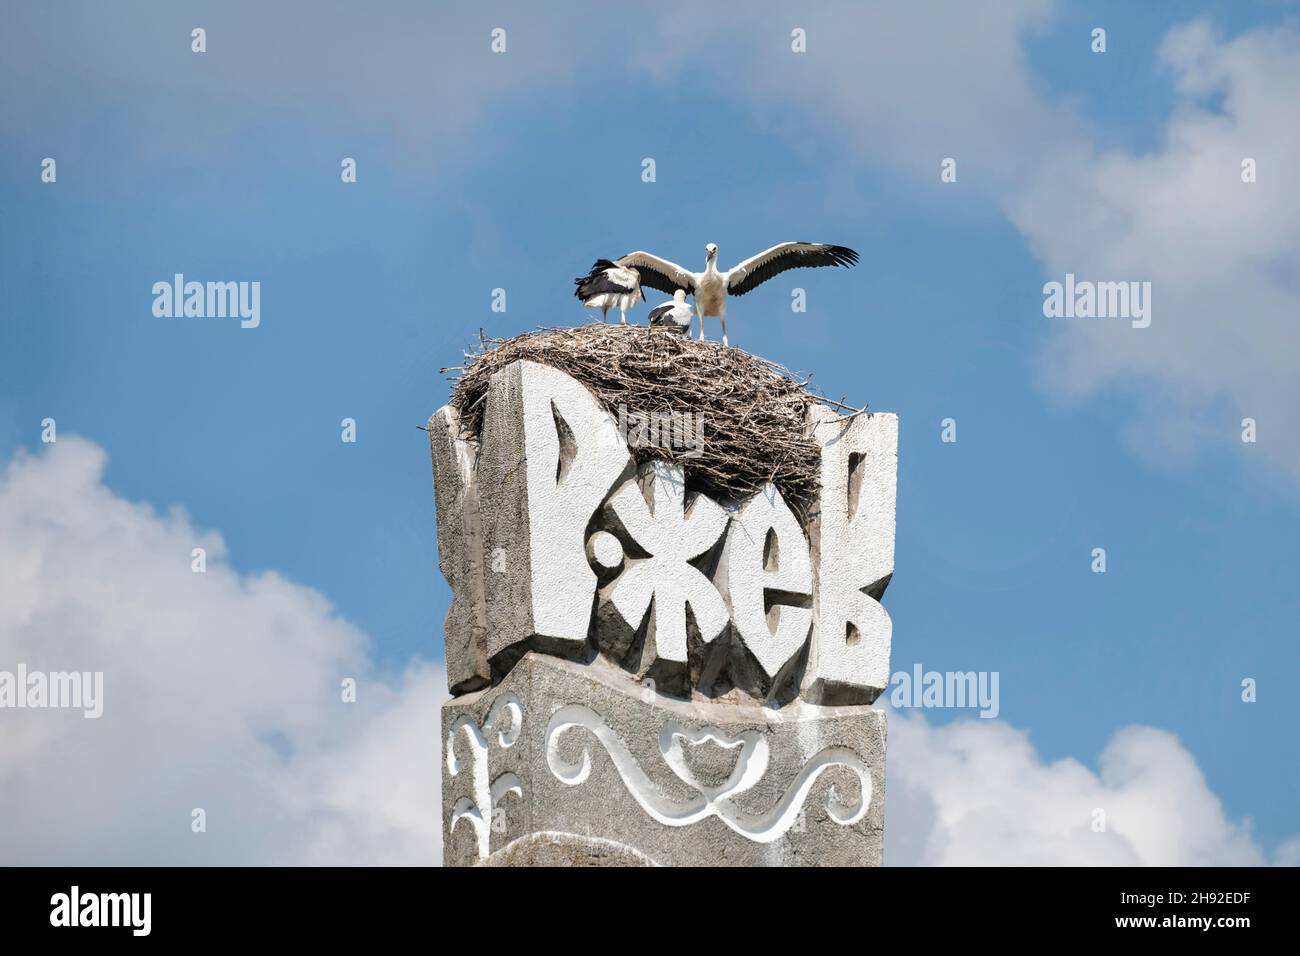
565 849
460 551
766 561
586 750
661 530
549 456
852 537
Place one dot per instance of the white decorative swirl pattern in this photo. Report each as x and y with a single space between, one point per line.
751 765
478 810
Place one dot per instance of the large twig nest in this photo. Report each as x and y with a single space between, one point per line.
754 411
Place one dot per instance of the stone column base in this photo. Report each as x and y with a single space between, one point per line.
579 764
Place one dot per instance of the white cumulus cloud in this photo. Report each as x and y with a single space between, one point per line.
975 792
1222 255
222 692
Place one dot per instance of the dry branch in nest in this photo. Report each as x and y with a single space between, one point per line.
754 411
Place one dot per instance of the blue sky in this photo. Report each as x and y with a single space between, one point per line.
479 171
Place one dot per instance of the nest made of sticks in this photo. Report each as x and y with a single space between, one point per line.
754 411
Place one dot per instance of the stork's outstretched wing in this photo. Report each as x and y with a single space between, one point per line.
659 273
756 270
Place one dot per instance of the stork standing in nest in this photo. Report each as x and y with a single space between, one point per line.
675 316
608 286
711 288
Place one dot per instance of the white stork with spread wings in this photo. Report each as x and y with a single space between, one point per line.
711 287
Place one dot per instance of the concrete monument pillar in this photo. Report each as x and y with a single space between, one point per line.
642 675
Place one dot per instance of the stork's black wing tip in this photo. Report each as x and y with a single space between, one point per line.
843 256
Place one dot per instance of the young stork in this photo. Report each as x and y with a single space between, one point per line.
711 287
607 286
675 316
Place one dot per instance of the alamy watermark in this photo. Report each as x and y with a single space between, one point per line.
69 690
1099 300
922 688
666 429
132 911
209 300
